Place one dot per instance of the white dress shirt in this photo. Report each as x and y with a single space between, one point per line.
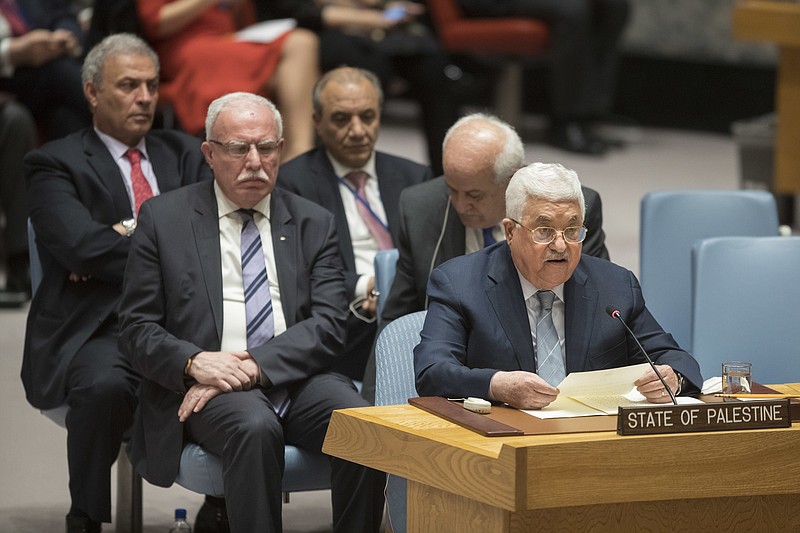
234 324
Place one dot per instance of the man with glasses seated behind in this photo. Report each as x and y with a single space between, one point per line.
509 322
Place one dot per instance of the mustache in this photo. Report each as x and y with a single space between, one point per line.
252 175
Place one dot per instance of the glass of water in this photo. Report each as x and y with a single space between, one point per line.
737 377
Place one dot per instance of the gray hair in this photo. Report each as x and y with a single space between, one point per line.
118 43
511 156
344 75
217 106
549 181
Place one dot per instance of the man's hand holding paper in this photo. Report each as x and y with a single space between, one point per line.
651 387
523 390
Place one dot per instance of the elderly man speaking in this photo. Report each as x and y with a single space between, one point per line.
509 322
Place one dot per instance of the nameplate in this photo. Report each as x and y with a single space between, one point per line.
723 416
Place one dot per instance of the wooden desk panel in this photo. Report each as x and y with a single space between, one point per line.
779 22
512 483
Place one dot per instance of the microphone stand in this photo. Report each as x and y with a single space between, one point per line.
614 313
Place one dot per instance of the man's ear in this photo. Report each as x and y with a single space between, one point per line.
508 228
207 152
90 92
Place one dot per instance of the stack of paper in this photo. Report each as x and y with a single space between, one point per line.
599 392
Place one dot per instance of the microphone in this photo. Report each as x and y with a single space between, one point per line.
613 312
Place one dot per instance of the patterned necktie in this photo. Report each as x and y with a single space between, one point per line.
549 363
257 299
376 227
488 237
14 17
141 189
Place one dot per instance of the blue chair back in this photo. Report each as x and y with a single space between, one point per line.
745 296
385 268
395 384
671 222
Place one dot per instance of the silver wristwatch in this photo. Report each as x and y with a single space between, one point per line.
130 226
681 381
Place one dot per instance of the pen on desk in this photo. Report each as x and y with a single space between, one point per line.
749 395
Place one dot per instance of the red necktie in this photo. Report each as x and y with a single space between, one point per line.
14 17
141 189
376 227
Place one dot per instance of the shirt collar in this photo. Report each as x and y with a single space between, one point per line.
225 206
529 289
343 171
118 148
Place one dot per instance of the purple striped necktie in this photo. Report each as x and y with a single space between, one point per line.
257 300
376 227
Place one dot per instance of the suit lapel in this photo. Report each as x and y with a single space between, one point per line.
453 241
205 226
331 200
580 303
104 166
165 167
287 252
390 185
505 294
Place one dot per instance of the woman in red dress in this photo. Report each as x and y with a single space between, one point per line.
202 60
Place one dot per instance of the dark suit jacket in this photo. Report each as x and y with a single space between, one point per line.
75 194
424 210
311 175
171 307
477 323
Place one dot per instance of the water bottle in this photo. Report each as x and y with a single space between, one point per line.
180 525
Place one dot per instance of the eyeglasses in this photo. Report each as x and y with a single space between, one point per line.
546 235
240 149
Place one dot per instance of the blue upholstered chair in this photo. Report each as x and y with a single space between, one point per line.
201 471
385 268
745 294
394 364
671 222
128 515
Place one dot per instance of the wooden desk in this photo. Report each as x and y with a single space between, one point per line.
461 482
779 22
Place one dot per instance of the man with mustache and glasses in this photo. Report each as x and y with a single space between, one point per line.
84 193
233 307
509 322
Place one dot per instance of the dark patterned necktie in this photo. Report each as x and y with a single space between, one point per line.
488 237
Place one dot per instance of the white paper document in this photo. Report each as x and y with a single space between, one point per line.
599 392
266 32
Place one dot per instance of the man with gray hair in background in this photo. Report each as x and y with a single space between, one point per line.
84 193
462 211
